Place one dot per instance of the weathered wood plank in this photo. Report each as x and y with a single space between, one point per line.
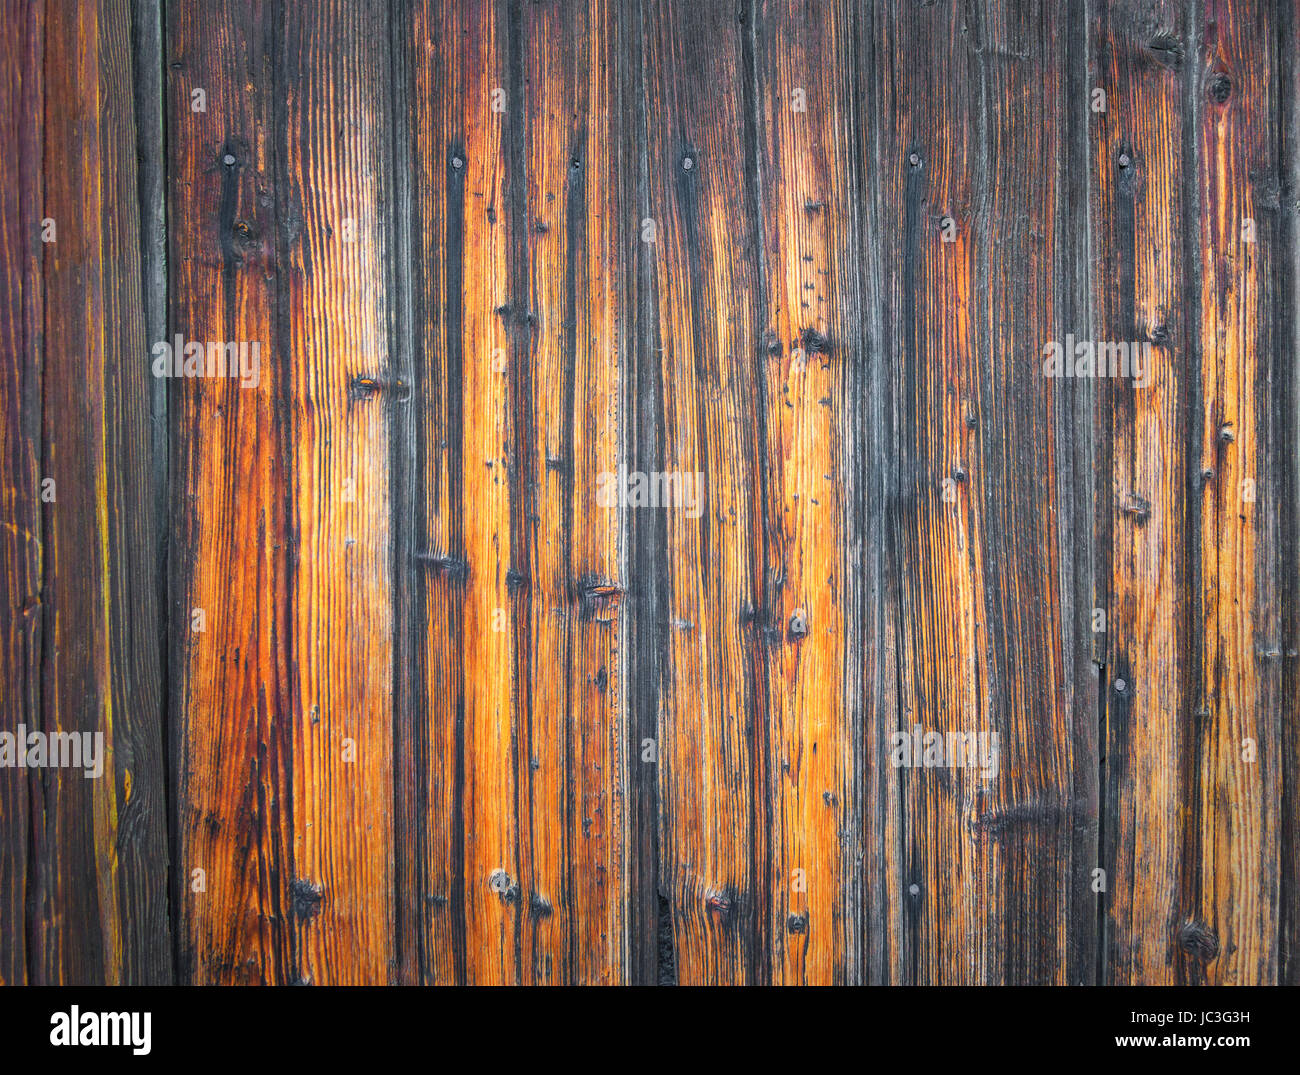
464 549
1139 213
1284 427
714 728
1189 182
987 868
649 917
871 476
21 326
97 896
1082 509
283 704
517 132
572 698
231 706
335 184
1242 560
444 38
807 255
1035 820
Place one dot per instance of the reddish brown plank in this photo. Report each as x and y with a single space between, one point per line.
283 702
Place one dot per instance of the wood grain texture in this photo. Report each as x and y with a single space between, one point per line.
402 682
282 699
1139 212
1195 802
1284 424
1242 479
809 341
21 329
520 618
713 731
83 639
990 864
229 560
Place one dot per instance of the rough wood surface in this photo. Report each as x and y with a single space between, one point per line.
519 621
85 864
22 114
282 704
397 686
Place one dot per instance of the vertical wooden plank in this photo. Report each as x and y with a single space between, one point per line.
495 626
1082 497
334 181
136 836
873 578
444 39
926 83
279 233
806 174
410 703
1228 931
1199 840
21 328
1036 819
151 143
516 138
988 873
97 906
471 860
701 183
1139 211
1284 419
649 918
572 698
230 480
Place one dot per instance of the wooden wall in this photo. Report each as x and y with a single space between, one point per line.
391 693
